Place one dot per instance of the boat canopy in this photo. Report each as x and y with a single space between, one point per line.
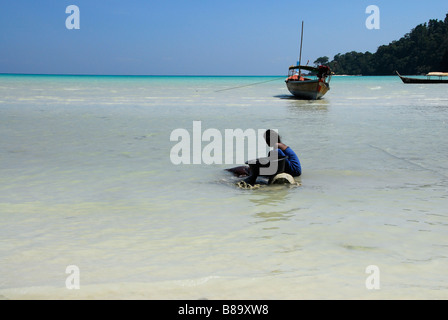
438 74
308 68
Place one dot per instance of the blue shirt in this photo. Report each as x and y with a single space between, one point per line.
292 165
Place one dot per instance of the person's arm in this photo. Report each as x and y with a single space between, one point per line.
281 146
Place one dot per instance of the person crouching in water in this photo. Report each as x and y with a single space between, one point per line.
291 166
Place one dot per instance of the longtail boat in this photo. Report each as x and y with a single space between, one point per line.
432 77
305 87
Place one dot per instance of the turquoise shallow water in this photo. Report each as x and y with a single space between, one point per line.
87 180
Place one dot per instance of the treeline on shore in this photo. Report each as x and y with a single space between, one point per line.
420 51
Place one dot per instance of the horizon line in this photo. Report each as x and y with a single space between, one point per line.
165 75
133 75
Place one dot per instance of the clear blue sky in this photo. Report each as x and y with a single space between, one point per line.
195 37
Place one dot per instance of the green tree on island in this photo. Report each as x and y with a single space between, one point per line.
321 61
423 50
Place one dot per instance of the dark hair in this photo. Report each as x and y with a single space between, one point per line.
271 137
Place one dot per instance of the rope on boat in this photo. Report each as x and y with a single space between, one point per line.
251 84
244 185
279 179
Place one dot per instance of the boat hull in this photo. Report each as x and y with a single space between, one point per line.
419 80
415 80
309 89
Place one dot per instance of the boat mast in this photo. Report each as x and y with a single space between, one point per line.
300 56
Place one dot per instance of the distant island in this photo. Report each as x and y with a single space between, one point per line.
423 50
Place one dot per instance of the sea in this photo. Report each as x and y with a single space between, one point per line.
92 205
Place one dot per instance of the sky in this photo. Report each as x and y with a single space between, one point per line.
195 37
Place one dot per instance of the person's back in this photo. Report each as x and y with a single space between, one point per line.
292 162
